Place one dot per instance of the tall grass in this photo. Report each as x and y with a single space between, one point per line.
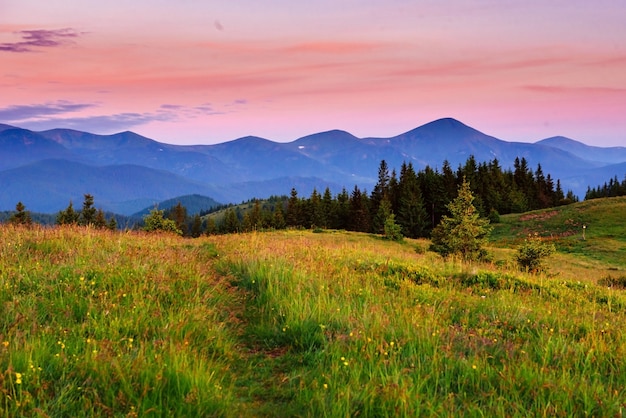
98 323
296 324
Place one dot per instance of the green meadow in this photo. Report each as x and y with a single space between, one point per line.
327 324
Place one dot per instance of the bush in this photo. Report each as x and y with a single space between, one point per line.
532 252
155 221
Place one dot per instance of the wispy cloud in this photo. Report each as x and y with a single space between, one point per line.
66 114
19 113
39 38
569 89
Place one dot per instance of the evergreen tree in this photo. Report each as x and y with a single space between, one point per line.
179 215
68 216
278 218
100 221
359 217
464 232
88 215
342 210
316 213
196 226
231 222
21 215
256 216
329 214
293 215
246 223
392 231
211 227
412 216
382 215
380 192
112 225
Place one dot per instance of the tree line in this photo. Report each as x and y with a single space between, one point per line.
612 188
417 199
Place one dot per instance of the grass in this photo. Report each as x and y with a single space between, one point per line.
294 323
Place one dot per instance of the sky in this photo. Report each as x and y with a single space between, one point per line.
204 71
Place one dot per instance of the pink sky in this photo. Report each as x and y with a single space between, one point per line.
202 72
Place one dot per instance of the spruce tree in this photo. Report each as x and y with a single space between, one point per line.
21 215
464 232
88 214
196 226
412 216
100 221
68 216
293 216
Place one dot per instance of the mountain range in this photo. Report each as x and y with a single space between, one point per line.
127 173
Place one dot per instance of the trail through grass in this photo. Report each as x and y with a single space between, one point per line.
296 323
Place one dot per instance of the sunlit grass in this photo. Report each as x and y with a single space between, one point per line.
295 323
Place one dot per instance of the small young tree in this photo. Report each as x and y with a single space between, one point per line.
112 225
531 254
155 221
464 232
392 231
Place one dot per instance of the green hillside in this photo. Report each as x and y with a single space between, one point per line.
604 222
296 323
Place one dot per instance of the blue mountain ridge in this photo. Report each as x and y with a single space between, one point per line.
46 169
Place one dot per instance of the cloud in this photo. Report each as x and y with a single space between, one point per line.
18 113
569 89
51 115
100 123
39 38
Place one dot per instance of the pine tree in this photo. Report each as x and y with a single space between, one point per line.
380 192
100 221
211 227
464 232
278 218
293 216
112 225
231 222
21 215
412 216
179 215
88 214
196 226
68 216
359 216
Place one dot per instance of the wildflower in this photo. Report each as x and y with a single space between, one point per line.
474 366
82 279
18 378
325 386
5 343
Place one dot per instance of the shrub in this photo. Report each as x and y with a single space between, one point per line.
532 252
155 221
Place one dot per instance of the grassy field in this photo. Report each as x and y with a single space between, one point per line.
296 323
